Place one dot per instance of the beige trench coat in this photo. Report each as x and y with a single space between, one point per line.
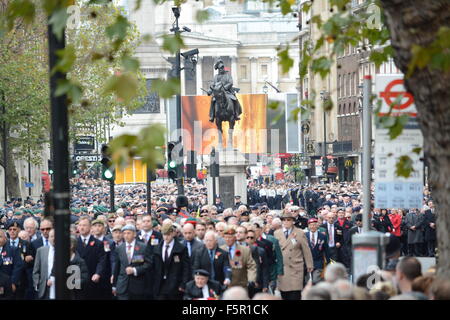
296 253
243 267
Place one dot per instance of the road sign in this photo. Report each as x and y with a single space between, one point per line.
318 162
392 191
87 157
388 89
29 184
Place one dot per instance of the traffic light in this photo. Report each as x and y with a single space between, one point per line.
74 168
50 167
108 170
324 165
172 168
191 166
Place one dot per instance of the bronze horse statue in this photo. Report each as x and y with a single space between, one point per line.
224 111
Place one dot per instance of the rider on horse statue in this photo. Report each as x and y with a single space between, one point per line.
224 78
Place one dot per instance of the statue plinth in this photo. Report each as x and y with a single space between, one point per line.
232 180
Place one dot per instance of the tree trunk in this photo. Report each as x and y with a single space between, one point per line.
12 178
417 22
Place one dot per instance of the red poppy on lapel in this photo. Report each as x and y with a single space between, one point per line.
218 254
137 248
152 236
4 253
238 253
347 226
92 243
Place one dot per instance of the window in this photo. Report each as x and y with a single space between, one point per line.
343 85
263 70
243 72
339 87
348 84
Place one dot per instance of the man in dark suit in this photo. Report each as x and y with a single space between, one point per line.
45 227
189 241
262 265
171 266
93 253
213 259
319 248
26 254
131 267
343 227
109 246
430 231
334 236
147 234
202 287
11 264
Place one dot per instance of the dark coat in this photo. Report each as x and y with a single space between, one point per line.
195 246
36 244
222 269
79 294
131 284
11 263
193 292
383 223
338 233
5 287
417 220
262 266
155 238
430 233
319 251
94 256
177 270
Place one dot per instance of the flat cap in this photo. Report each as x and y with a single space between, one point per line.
312 220
98 221
167 228
117 227
201 272
230 231
129 227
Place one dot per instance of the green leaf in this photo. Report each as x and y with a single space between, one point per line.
166 88
24 9
58 21
172 43
118 30
397 128
417 150
73 91
130 64
285 61
321 65
66 59
404 166
273 105
202 16
285 6
125 86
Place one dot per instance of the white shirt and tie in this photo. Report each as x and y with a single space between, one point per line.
313 238
129 249
167 250
287 232
50 261
205 291
15 243
146 235
330 235
85 240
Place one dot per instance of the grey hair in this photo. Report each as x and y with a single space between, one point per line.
235 293
33 220
344 289
335 271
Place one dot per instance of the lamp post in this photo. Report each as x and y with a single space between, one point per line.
324 96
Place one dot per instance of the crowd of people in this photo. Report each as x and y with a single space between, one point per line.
288 241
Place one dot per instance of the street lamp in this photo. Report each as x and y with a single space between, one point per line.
324 96
265 88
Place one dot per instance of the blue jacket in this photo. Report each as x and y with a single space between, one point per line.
11 263
319 251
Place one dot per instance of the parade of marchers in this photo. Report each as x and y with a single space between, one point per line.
289 241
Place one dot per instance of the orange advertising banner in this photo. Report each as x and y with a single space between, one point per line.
250 133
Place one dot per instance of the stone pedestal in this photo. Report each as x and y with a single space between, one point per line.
232 180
